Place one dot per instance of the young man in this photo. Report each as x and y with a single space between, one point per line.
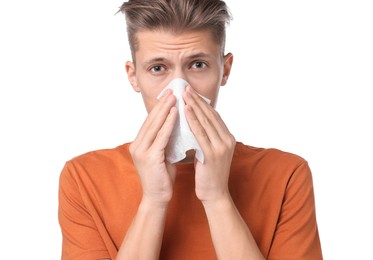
129 202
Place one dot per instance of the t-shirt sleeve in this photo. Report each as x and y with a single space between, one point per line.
296 235
80 237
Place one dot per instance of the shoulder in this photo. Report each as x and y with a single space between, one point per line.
268 157
120 152
269 165
103 158
98 163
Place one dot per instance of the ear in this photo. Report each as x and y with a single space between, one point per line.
228 61
131 74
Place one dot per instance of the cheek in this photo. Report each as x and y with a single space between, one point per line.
150 90
208 88
214 97
148 94
208 84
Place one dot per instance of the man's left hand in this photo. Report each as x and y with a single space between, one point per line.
217 144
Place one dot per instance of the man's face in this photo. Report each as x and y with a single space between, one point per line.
162 56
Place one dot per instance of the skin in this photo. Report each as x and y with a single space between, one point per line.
159 60
194 56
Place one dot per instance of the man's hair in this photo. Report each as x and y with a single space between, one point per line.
175 16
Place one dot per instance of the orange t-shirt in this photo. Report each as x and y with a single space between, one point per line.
273 191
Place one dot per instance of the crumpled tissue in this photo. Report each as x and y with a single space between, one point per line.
182 139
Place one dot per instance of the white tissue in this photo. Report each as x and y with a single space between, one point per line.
182 138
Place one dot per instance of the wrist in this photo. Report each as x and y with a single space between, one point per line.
148 204
221 203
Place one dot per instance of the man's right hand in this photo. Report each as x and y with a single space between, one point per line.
148 152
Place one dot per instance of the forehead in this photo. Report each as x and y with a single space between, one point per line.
169 43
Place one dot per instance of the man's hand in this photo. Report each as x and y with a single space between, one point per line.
217 144
231 236
148 152
143 239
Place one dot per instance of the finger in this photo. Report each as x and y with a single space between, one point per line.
155 110
197 129
210 113
155 120
203 114
164 133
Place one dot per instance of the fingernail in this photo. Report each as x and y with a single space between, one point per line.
169 91
189 91
169 97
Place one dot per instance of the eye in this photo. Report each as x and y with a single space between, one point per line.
199 65
157 69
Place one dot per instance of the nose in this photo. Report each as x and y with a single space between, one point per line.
179 73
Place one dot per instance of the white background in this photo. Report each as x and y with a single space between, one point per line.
302 81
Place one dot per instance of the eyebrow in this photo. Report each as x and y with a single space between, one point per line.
198 55
154 60
162 59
